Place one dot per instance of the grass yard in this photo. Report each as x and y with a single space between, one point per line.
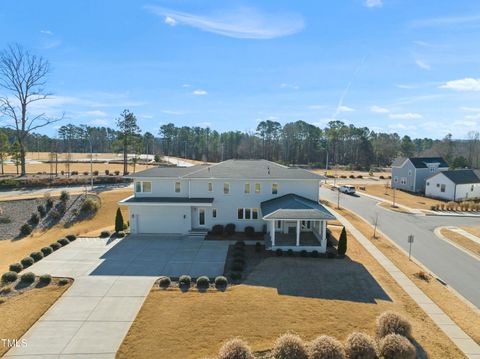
473 230
14 250
305 295
20 312
463 315
462 241
404 198
365 174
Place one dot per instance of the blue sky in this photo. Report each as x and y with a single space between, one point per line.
403 66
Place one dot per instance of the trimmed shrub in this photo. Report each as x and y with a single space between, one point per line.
325 347
239 254
342 243
393 323
239 260
290 253
240 244
237 267
104 234
235 349
34 219
55 246
217 229
49 204
289 346
64 196
258 247
45 279
63 281
15 267
185 281
395 346
120 234
63 241
230 228
27 262
95 173
28 278
164 282
236 275
118 221
360 346
86 173
71 237
125 226
303 253
279 252
315 254
36 256
116 172
107 172
203 282
221 282
89 205
25 229
9 277
46 251
249 231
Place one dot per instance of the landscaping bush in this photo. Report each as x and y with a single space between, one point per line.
64 196
34 219
46 251
28 278
15 267
290 253
351 176
118 221
315 254
395 346
63 241
235 349
217 229
230 228
240 244
36 256
45 279
41 210
89 205
258 247
25 229
342 243
221 282
55 214
203 282
164 282
279 252
95 173
185 281
381 177
107 172
239 254
116 173
63 281
120 234
55 246
249 231
236 275
393 323
303 253
325 347
9 277
27 262
104 234
125 226
239 260
289 346
360 346
71 237
237 267
49 204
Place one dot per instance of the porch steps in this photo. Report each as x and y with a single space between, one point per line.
198 233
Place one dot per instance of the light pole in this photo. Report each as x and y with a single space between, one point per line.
91 161
410 242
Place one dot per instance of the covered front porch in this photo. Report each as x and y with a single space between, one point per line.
296 223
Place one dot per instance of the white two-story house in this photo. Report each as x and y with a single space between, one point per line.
280 201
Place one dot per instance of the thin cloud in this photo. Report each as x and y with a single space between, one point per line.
173 112
378 109
96 113
345 109
200 92
405 116
446 21
423 65
373 3
466 84
317 107
47 32
170 21
470 109
243 23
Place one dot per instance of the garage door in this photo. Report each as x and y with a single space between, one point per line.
165 220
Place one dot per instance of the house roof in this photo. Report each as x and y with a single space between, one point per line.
462 176
185 200
234 169
292 206
423 162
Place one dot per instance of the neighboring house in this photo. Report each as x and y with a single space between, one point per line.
281 201
409 174
458 185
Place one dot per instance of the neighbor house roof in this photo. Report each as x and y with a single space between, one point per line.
234 169
292 206
462 176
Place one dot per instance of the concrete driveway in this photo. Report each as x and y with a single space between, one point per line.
112 280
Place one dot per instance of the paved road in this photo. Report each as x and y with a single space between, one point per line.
456 268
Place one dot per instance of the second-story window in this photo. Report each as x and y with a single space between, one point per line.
247 188
210 186
226 188
257 188
178 187
274 188
143 186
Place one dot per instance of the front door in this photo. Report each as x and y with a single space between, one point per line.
201 216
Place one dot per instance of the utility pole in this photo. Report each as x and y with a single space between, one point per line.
338 198
410 242
393 204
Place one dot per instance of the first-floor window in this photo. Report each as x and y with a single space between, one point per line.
210 186
177 187
247 213
226 188
274 188
471 188
254 213
279 224
442 188
214 212
138 187
395 179
403 180
247 188
240 213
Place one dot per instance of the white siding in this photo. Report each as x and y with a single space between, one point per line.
434 185
464 191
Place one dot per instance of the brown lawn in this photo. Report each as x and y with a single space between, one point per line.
404 198
14 250
305 295
20 312
337 173
463 315
473 230
462 241
80 167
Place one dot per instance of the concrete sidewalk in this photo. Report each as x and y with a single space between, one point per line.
466 344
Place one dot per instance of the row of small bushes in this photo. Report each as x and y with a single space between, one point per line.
29 278
239 261
465 206
393 334
202 283
220 229
303 253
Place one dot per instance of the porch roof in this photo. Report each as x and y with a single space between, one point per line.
295 207
166 200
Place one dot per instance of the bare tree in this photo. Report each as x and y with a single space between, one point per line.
375 224
23 76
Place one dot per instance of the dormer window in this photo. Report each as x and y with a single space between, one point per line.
178 187
432 169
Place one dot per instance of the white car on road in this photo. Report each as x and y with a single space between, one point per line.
347 189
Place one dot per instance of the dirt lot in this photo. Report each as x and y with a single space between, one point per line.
308 296
365 174
13 250
462 241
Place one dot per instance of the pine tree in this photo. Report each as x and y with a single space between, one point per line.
342 243
118 221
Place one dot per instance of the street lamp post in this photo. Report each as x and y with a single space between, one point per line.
91 162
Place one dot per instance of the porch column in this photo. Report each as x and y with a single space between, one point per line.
298 233
272 232
324 230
